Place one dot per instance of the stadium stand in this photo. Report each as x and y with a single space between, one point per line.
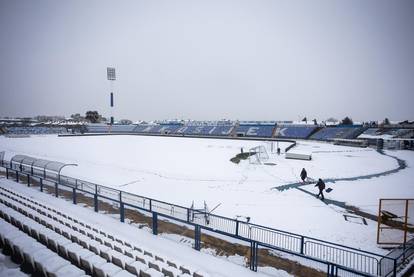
122 128
241 130
164 129
387 133
343 132
244 130
36 130
25 249
143 128
396 133
103 128
81 247
215 130
370 132
221 130
294 131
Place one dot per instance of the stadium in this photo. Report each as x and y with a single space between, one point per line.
230 191
229 138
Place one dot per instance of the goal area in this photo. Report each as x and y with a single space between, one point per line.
258 155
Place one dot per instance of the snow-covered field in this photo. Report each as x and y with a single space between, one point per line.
183 170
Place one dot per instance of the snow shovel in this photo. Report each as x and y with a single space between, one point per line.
328 190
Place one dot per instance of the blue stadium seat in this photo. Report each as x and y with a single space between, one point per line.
122 128
165 129
371 132
255 130
143 128
221 130
344 132
294 131
104 128
36 130
97 128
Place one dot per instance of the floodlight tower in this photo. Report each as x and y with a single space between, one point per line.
110 73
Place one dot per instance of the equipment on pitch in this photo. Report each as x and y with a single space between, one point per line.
203 213
258 155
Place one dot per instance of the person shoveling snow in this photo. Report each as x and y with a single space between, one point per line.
321 186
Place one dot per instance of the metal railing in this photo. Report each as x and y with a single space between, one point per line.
339 257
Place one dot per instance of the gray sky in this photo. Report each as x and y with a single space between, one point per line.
257 60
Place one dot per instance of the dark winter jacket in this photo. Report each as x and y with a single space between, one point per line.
320 184
303 174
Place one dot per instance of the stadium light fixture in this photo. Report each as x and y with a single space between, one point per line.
110 73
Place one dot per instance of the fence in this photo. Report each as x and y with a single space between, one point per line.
339 260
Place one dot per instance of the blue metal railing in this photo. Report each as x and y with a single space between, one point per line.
342 258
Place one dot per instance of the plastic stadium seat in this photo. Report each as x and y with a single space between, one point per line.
170 271
109 243
29 249
345 132
185 269
55 243
155 265
89 262
105 270
136 267
9 238
294 131
172 264
158 258
105 252
122 260
71 251
122 256
29 252
138 249
146 253
84 240
119 247
52 264
255 130
151 273
122 273
42 257
68 271
31 257
200 274
132 253
94 246
76 257
21 244
141 258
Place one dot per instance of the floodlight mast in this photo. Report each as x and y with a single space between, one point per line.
110 73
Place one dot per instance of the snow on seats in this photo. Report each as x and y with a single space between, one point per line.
257 130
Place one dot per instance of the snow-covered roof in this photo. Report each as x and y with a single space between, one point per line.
37 163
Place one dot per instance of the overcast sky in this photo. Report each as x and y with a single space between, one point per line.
208 60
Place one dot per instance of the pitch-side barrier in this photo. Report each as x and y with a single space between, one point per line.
334 259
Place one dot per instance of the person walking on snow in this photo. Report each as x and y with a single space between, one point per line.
321 186
303 175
